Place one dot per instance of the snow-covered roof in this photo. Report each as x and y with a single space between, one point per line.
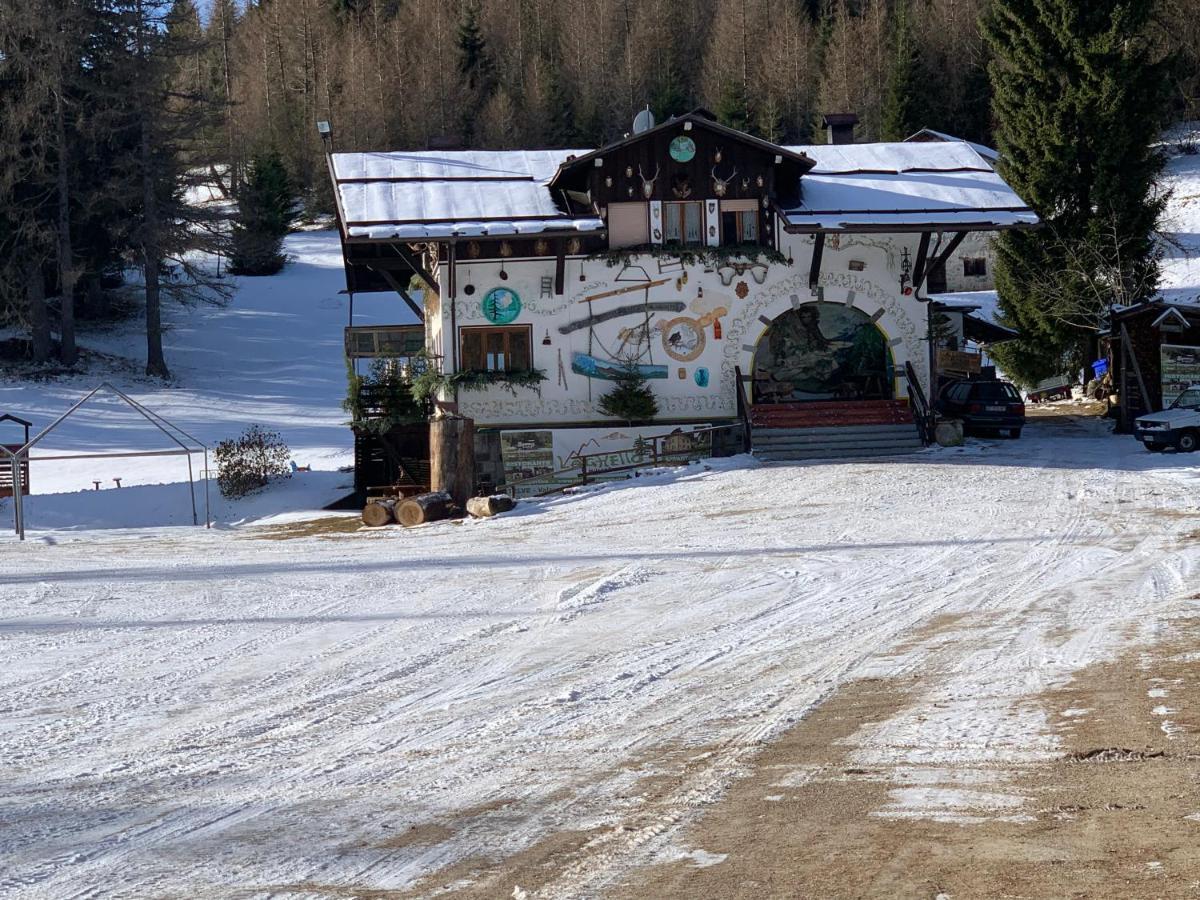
904 186
981 314
928 134
986 304
910 186
438 194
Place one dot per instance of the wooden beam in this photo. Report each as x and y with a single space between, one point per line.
1137 370
941 258
919 267
396 286
415 264
560 266
452 276
641 286
814 271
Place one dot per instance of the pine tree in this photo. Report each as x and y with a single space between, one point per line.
900 117
1080 100
631 398
264 215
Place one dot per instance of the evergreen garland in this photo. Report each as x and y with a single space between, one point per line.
691 256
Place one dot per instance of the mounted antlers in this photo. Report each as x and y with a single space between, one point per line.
648 183
720 185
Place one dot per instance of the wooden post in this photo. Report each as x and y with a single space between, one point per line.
452 456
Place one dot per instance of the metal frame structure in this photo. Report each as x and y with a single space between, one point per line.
174 432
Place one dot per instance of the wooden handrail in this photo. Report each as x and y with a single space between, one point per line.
923 411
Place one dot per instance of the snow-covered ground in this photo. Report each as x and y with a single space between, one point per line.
327 712
1181 267
219 714
272 357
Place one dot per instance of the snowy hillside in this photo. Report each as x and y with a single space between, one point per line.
272 357
1181 268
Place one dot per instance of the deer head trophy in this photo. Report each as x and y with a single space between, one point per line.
648 183
720 185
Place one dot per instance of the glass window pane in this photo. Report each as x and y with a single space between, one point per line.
729 233
692 216
496 356
671 215
518 350
749 226
472 350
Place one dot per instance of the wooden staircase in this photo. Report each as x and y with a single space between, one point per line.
846 430
831 415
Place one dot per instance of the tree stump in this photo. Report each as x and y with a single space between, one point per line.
423 508
377 513
452 456
482 507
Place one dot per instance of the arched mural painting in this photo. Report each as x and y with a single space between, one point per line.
823 351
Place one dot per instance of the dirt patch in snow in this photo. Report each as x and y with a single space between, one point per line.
1117 815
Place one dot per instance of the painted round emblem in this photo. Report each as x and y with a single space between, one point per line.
682 149
501 305
682 338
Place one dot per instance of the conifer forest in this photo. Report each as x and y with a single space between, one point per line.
113 110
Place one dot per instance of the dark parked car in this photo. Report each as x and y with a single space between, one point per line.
985 405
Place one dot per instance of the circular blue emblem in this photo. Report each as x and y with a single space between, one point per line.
501 305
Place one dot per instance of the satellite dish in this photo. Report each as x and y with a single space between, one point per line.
643 121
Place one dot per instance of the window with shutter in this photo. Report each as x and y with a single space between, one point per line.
488 349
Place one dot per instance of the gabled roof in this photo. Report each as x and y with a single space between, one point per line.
904 187
700 118
896 187
928 134
440 194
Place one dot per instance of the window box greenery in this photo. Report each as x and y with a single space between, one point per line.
430 382
716 257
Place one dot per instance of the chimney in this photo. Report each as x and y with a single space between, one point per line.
840 127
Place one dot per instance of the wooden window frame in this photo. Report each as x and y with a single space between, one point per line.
974 267
507 330
670 207
738 209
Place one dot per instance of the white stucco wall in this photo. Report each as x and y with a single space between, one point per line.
976 245
568 397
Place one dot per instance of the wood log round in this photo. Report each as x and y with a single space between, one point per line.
377 513
482 507
423 508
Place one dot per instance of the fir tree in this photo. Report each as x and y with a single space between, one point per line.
475 70
264 215
562 130
1080 99
631 398
734 108
474 64
900 118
